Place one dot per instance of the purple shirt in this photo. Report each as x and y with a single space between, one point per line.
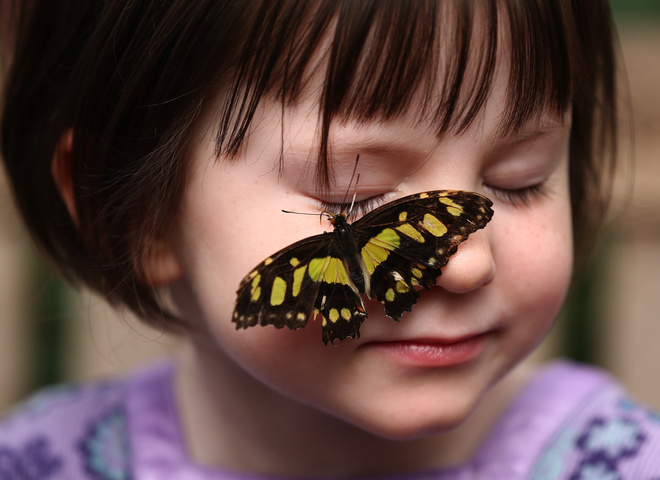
571 422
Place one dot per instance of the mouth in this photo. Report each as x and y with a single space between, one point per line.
432 352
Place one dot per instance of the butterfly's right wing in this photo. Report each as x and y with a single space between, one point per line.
307 278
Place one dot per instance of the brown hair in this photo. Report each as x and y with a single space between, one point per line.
130 79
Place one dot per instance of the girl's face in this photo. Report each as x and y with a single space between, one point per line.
494 302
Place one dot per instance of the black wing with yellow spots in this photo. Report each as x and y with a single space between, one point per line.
404 244
386 255
303 279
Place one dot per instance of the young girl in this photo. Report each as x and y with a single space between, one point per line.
152 147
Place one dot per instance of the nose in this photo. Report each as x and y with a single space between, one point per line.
471 267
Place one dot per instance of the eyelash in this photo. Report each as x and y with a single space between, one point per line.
520 197
360 207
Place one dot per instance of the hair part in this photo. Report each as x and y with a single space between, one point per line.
131 80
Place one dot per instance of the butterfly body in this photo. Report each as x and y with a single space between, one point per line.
387 255
343 233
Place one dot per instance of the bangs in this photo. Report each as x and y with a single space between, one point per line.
381 59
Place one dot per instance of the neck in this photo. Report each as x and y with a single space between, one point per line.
234 422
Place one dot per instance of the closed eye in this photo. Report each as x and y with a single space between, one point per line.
355 209
519 197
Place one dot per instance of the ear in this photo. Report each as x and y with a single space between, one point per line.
60 169
161 266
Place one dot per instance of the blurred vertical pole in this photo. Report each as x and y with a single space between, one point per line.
49 325
581 315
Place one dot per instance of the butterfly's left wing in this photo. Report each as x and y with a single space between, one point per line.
404 244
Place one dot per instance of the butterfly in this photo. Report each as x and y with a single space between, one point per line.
386 255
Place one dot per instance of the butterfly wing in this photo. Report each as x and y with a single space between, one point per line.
304 279
404 244
338 302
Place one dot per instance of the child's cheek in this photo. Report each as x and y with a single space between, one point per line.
540 265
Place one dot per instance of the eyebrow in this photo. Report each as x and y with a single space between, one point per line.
538 127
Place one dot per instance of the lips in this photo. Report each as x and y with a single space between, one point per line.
432 352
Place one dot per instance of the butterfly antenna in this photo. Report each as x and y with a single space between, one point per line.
298 213
308 213
350 209
357 179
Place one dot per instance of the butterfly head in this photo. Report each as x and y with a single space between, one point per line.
336 217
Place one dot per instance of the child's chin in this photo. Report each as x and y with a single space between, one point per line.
403 428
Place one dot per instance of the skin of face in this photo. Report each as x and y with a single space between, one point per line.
280 391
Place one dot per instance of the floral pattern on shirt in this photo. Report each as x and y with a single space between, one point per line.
33 461
610 440
600 449
105 448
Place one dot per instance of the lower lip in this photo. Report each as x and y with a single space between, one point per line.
433 354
